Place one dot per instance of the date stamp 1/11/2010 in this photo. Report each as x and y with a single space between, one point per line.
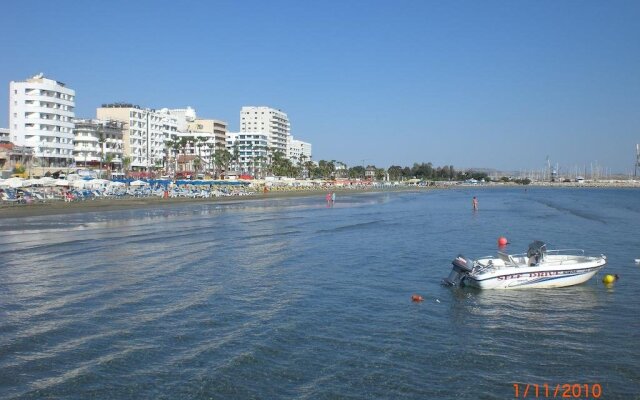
557 391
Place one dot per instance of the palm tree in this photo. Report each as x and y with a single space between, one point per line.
101 141
211 155
222 158
236 156
196 164
175 146
309 166
126 163
108 160
199 142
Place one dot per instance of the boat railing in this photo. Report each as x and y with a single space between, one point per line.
566 252
479 268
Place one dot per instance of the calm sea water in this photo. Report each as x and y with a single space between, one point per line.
290 299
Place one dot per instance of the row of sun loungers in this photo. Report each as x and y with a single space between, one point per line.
36 195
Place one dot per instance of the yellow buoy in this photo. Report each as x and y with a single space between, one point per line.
608 279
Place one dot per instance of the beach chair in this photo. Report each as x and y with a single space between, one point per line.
39 197
8 199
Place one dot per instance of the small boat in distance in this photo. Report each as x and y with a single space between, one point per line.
538 268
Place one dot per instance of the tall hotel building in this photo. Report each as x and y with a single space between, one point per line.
145 133
274 123
41 113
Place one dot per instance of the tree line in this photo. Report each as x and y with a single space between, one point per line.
278 164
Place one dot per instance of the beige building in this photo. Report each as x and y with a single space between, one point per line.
145 134
212 127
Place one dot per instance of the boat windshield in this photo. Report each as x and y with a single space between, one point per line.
537 249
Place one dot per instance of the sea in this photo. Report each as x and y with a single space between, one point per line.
294 298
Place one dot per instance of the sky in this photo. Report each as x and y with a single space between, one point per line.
473 84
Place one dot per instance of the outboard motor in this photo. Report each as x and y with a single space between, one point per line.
461 268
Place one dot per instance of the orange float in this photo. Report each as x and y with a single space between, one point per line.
416 298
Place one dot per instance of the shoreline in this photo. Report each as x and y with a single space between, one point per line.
57 207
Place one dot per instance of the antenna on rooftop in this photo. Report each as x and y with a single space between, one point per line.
548 171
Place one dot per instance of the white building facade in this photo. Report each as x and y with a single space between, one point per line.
41 113
98 141
267 120
251 150
298 151
183 116
146 132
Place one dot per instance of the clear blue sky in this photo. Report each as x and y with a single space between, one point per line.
496 84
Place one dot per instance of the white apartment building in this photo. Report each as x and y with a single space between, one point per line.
252 152
183 116
4 135
298 151
41 111
97 141
267 120
145 133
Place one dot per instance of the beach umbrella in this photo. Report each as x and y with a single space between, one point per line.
14 182
47 181
116 184
29 182
62 182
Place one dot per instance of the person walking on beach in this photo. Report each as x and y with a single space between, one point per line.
475 203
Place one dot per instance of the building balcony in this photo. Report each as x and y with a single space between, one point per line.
85 139
52 98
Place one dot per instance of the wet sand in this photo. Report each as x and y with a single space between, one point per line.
58 207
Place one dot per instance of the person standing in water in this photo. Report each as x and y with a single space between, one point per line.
333 197
475 203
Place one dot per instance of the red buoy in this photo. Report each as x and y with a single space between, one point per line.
502 241
416 298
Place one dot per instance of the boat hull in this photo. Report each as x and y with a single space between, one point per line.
519 278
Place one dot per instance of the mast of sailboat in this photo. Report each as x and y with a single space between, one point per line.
635 173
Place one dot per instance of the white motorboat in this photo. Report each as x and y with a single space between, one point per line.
538 268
